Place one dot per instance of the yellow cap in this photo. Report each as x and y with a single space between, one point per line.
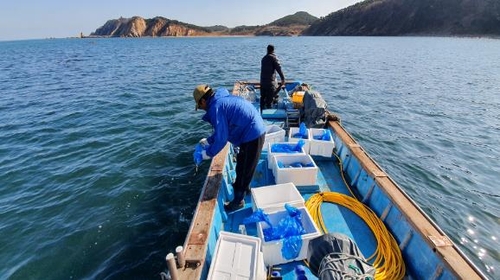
198 93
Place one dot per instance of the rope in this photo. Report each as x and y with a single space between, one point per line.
388 261
342 174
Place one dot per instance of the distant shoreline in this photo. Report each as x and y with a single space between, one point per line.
489 36
494 37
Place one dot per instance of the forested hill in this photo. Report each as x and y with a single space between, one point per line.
412 17
299 18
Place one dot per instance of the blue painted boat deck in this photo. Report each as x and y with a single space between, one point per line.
337 219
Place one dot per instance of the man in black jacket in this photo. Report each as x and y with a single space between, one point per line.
268 88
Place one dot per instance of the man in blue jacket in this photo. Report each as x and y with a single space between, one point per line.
236 120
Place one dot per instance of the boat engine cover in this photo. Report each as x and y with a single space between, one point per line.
314 109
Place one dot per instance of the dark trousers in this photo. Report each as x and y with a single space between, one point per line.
246 162
267 96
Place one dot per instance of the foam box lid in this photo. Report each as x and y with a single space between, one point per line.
235 257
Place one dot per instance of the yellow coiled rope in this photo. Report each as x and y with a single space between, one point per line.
388 261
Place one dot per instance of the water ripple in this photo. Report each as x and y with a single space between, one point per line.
97 139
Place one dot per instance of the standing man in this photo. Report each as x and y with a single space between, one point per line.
268 89
236 120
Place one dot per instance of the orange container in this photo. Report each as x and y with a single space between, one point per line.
298 99
298 96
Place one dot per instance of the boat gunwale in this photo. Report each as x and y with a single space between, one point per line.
196 242
452 256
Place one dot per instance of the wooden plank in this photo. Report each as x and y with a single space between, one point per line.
451 255
369 165
196 244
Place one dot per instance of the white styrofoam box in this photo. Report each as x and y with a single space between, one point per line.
300 176
320 147
261 268
236 256
274 134
272 249
271 154
295 130
272 198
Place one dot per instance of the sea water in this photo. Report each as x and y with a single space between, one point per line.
97 136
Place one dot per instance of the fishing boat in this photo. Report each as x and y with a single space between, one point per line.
340 192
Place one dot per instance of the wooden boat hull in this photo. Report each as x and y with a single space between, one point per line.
426 250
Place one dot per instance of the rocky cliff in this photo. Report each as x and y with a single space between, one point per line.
156 27
291 25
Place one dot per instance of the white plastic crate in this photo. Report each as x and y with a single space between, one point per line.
320 147
271 154
272 249
295 130
272 198
274 134
300 176
236 256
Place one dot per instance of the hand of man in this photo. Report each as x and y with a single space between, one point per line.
204 142
204 155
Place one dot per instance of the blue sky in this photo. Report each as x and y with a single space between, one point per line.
33 19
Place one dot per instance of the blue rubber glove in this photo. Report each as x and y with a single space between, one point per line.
303 130
200 154
197 155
